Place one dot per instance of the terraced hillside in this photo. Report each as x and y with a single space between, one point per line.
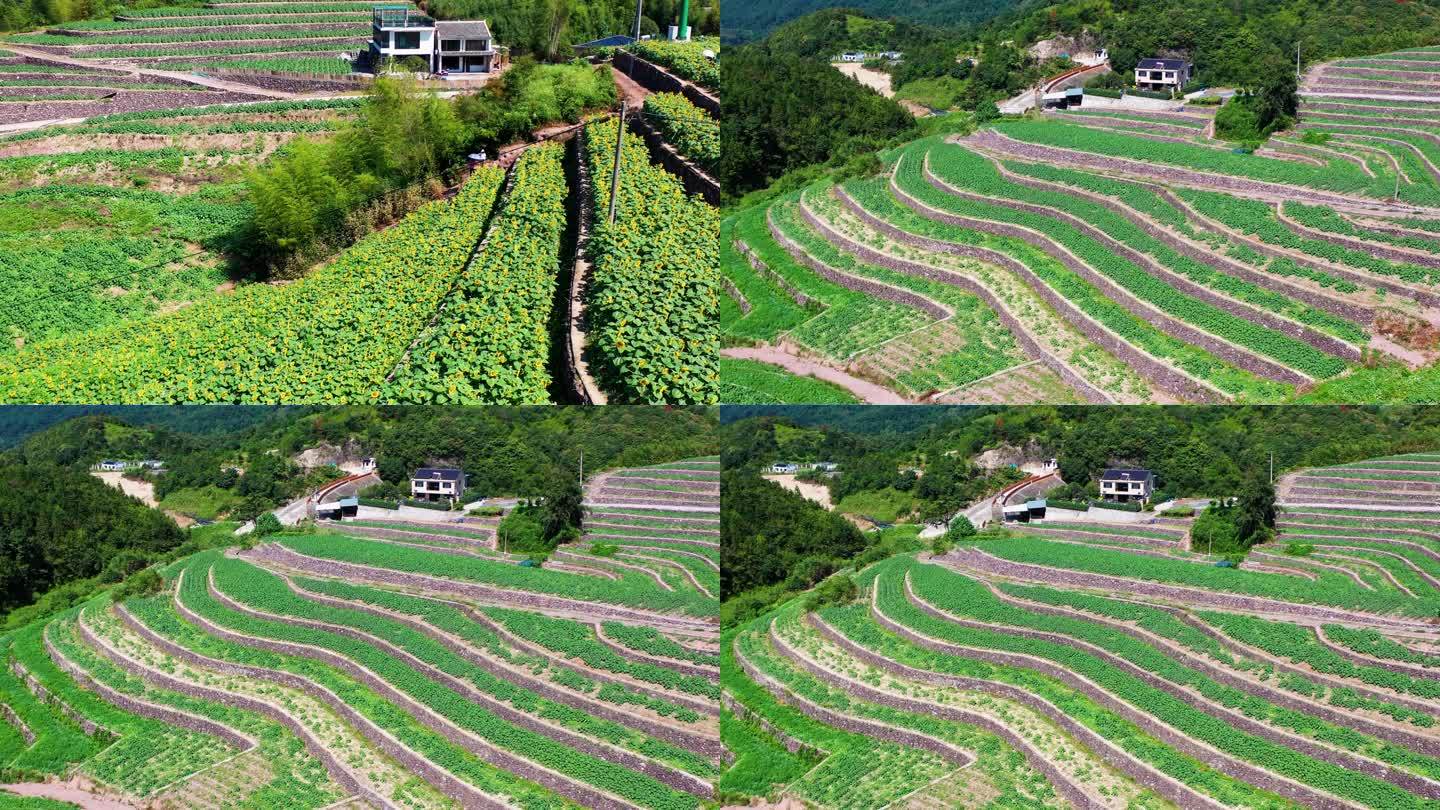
398 664
661 521
1112 255
1092 665
475 327
272 47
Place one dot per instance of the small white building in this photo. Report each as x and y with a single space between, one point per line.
437 484
1127 484
784 468
455 46
1162 74
854 56
367 464
112 466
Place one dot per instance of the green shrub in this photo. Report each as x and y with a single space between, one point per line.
142 583
604 549
267 524
960 529
1299 549
837 590
522 531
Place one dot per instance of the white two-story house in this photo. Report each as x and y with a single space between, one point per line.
455 46
1125 484
437 484
1162 74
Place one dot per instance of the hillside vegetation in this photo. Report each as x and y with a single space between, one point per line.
1109 659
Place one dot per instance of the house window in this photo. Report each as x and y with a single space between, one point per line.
449 44
477 44
407 40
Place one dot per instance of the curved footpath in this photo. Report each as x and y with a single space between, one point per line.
867 392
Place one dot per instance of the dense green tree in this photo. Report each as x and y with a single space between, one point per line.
59 524
780 112
768 532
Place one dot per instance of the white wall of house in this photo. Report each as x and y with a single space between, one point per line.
430 486
391 40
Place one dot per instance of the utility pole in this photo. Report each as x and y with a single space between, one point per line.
1297 63
582 469
639 5
615 170
1272 466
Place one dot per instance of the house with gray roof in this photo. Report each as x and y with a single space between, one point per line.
1162 74
447 46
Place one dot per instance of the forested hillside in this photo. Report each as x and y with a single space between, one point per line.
745 22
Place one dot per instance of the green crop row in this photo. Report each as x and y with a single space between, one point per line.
268 344
986 345
297 779
246 10
450 619
967 170
888 580
1337 175
1299 645
654 292
575 640
837 322
1007 774
322 65
58 741
694 133
848 763
1164 624
962 596
491 341
267 592
202 49
1372 643
772 311
156 614
633 590
980 604
685 59
1136 330
359 30
1256 218
1328 589
214 20
650 640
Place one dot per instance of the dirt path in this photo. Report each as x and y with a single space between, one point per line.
867 391
631 92
876 80
205 81
66 793
815 492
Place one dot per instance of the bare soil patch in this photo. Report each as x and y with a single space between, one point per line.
813 491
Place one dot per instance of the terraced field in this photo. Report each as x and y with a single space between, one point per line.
1123 255
475 327
662 521
395 664
139 47
1085 665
